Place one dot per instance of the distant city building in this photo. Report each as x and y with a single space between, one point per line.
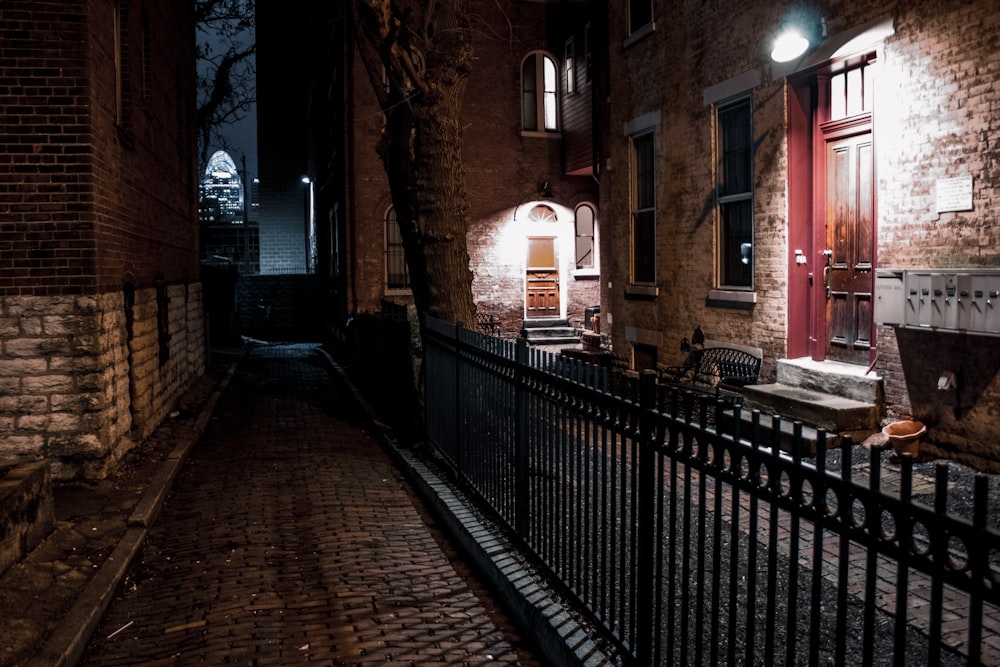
221 191
229 228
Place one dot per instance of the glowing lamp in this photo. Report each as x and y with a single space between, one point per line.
789 45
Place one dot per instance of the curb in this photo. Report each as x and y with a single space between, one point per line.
523 591
66 645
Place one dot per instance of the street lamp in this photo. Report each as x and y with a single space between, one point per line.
310 225
789 45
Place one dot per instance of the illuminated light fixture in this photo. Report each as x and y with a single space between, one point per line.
306 180
789 45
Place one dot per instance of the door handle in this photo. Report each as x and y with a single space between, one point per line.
827 269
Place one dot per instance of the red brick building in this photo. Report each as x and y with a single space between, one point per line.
101 324
765 201
529 152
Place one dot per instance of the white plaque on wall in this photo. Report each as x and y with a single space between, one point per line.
954 194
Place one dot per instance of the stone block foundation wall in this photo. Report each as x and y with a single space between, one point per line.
74 390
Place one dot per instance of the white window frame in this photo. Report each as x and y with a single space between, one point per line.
545 122
644 208
595 265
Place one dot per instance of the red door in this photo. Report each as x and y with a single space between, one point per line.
848 278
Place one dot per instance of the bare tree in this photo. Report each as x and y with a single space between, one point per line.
226 73
418 55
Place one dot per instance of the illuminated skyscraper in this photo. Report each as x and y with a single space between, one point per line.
221 190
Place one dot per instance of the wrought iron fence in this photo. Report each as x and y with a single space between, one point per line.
691 537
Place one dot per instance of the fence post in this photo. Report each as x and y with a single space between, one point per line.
521 437
646 528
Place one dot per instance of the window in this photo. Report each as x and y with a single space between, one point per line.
734 194
542 213
147 62
586 228
640 15
643 356
539 93
851 93
397 275
121 56
569 66
643 233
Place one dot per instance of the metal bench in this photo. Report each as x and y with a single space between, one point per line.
719 371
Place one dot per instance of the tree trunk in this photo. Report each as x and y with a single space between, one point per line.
426 55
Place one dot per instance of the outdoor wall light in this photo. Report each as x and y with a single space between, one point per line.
789 45
306 180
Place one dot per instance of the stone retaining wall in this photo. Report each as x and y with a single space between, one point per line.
26 510
79 384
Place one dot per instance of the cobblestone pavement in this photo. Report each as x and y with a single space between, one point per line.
290 537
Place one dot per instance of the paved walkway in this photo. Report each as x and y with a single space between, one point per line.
290 537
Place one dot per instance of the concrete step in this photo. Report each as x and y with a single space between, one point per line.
834 414
549 332
543 323
832 377
805 443
553 340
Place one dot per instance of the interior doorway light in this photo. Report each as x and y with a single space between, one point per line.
789 45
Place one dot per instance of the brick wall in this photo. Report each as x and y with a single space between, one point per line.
503 172
46 241
935 117
943 62
95 196
282 220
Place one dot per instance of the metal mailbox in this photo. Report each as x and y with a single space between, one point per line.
889 301
961 300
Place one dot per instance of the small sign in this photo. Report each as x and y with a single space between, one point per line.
954 194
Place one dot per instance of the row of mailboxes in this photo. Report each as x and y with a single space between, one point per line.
946 299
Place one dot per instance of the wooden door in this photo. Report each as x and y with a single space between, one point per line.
542 280
849 256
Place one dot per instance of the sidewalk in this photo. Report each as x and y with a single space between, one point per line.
289 536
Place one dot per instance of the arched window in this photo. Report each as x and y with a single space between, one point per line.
586 235
539 93
397 275
542 213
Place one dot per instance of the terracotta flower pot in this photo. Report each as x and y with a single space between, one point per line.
904 436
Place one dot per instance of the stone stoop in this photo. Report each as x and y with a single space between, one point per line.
841 399
549 332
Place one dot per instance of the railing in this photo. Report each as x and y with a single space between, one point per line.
691 538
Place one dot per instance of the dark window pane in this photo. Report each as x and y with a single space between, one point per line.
737 243
734 128
640 13
643 247
397 275
735 192
529 96
644 217
644 176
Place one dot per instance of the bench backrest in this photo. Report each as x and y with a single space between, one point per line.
729 364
